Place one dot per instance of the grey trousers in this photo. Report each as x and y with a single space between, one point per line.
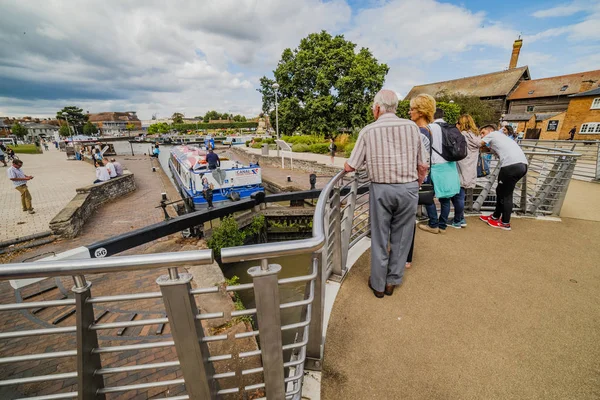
392 212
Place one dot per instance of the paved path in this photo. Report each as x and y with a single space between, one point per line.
53 186
483 314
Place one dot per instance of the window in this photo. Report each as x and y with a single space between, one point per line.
562 89
530 108
596 103
590 128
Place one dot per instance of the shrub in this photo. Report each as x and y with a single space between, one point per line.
256 145
319 148
258 139
349 147
228 234
302 139
342 140
301 148
248 143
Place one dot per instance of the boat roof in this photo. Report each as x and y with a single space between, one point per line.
188 156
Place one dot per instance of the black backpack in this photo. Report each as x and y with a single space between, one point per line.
454 144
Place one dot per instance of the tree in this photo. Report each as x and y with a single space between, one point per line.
74 116
64 131
211 115
18 130
177 118
328 80
480 110
161 127
89 129
130 126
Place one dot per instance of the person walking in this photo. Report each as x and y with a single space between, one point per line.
513 167
332 149
572 133
3 155
19 180
396 163
467 168
448 176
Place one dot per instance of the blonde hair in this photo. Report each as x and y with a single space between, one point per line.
467 124
424 104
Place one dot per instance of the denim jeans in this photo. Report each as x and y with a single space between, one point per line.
442 221
458 202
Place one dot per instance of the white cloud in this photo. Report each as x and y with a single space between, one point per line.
559 11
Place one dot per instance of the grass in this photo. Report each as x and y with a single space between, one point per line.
25 149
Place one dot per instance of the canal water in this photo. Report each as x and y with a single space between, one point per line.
291 266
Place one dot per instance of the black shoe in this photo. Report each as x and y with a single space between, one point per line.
377 294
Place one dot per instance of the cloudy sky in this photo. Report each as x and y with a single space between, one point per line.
190 56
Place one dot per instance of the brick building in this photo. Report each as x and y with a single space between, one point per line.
115 123
583 113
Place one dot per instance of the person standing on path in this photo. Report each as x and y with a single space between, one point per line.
19 180
513 167
396 162
332 149
572 133
3 155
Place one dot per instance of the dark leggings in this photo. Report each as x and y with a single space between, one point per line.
507 180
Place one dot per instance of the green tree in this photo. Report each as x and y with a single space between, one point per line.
480 110
18 130
451 110
90 129
332 83
74 116
212 115
130 127
161 127
64 131
177 118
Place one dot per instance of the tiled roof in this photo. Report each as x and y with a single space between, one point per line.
517 117
593 92
487 85
113 116
547 87
545 116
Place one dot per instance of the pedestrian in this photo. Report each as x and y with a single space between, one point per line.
45 145
443 176
155 151
332 149
102 174
509 131
421 111
207 192
19 180
467 168
396 162
112 172
96 155
513 167
3 155
55 144
118 166
572 132
212 159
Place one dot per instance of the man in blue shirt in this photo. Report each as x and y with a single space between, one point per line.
212 159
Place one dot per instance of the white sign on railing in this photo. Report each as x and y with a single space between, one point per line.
285 148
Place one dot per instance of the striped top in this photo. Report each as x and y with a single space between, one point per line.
392 148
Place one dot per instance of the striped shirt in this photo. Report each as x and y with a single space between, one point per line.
391 148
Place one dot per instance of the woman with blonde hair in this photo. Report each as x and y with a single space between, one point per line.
467 168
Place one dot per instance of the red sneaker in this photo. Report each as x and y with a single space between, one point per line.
485 218
496 223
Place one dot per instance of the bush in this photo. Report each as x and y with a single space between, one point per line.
301 148
227 234
256 145
258 139
302 139
349 147
319 148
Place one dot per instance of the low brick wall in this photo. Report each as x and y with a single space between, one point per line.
274 161
69 221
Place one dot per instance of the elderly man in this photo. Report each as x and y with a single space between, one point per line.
19 180
397 164
118 166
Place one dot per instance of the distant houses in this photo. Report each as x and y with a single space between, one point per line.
115 123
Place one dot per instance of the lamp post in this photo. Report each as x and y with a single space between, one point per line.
276 86
66 116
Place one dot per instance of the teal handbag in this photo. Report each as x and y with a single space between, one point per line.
446 182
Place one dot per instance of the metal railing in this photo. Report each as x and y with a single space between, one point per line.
90 366
588 164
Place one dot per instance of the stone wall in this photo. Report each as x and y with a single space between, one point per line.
69 221
302 165
580 111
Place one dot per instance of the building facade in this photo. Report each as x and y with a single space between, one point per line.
36 131
583 114
115 123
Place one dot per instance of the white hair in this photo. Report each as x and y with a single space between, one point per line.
386 100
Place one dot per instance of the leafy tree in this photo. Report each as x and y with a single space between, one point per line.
161 127
324 77
239 118
90 129
18 130
64 131
74 116
212 115
130 126
479 109
451 110
199 117
177 118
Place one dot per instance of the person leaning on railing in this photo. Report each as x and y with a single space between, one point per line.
397 164
513 167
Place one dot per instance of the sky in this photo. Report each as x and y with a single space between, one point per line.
191 56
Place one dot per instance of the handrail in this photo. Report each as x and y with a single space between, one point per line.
291 247
41 269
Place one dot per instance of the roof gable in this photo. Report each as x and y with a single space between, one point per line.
487 85
562 85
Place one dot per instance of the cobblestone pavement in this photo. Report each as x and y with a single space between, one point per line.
53 186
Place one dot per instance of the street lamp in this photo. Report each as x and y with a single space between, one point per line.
276 86
65 116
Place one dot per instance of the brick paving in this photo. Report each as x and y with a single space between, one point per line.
53 186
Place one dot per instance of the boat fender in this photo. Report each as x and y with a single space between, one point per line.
234 196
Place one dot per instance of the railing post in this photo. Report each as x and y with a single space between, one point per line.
314 348
88 382
266 295
597 177
524 194
336 230
487 188
187 333
347 221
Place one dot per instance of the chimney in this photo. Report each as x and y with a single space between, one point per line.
586 85
515 53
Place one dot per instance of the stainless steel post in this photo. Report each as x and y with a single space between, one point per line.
314 348
524 194
597 177
88 382
347 222
266 295
486 189
187 334
335 219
